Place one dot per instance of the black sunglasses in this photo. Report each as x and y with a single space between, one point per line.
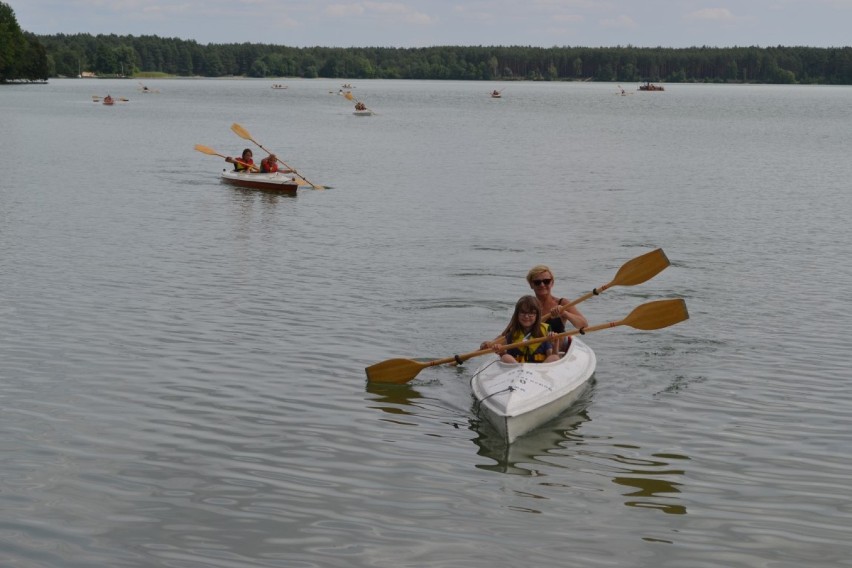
545 281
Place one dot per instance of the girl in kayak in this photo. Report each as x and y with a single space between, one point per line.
525 324
243 163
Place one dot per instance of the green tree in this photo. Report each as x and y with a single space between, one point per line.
13 45
126 59
106 62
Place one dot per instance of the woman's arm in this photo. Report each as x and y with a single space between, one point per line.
573 316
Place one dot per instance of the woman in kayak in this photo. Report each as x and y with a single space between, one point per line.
556 315
525 324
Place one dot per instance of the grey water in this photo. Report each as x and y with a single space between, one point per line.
182 363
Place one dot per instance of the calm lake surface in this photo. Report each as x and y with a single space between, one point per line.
182 363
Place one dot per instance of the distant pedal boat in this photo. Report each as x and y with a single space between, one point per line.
517 398
276 182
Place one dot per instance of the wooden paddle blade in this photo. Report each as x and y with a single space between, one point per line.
657 314
635 271
641 269
241 132
313 185
395 371
207 150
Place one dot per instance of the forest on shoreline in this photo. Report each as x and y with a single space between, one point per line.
29 57
125 55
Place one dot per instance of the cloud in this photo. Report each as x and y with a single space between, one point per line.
621 22
344 10
568 18
712 14
395 11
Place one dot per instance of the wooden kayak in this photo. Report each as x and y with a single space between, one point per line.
516 398
275 182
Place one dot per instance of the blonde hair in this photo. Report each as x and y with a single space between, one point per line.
538 269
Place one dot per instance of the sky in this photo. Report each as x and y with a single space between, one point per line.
425 23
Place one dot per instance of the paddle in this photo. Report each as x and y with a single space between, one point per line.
243 133
652 315
633 272
212 152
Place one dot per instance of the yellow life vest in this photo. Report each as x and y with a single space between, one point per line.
532 353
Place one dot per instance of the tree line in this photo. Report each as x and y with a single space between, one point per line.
22 56
61 55
125 55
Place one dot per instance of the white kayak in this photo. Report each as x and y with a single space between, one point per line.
517 398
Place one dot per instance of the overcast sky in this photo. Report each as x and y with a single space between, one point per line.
423 23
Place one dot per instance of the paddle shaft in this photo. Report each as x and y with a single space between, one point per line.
502 348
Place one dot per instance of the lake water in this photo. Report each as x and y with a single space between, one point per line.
182 363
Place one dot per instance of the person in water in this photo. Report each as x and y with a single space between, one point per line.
525 324
243 163
556 312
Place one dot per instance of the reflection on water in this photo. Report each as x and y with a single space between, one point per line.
524 455
647 481
393 398
267 197
559 443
